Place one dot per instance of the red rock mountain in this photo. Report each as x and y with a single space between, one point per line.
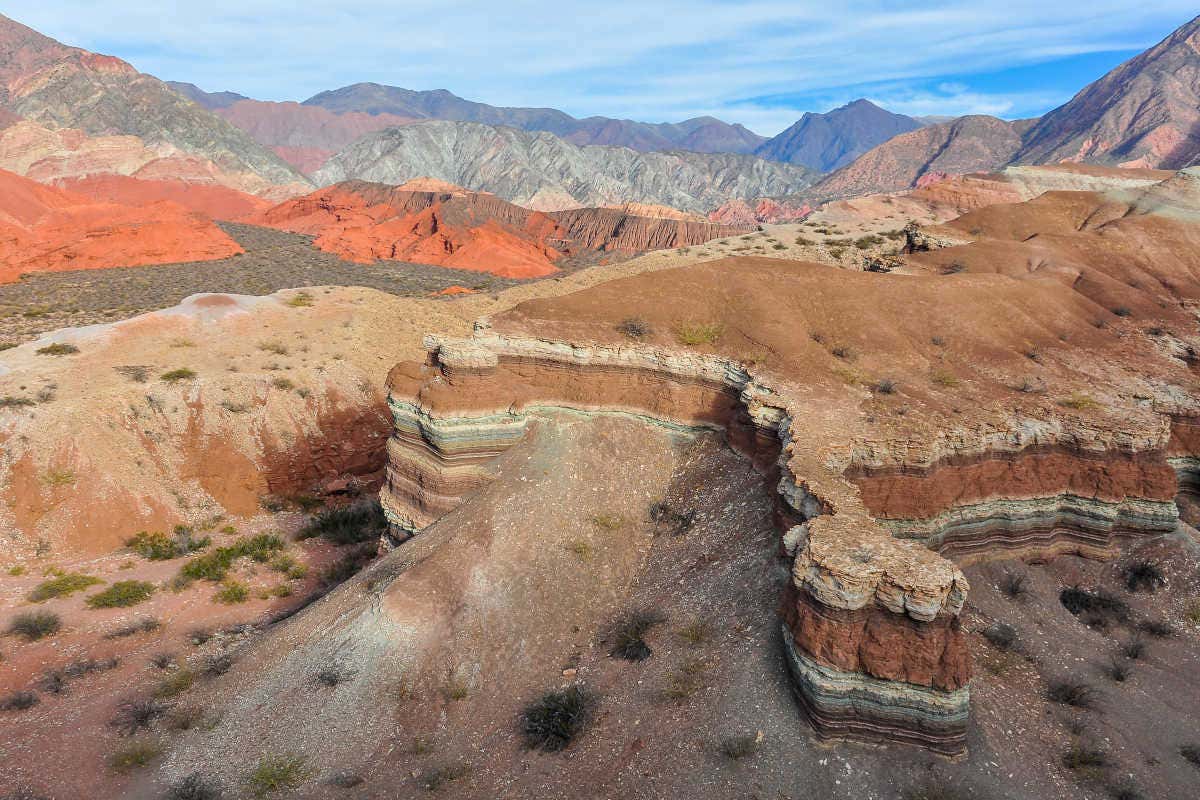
1144 113
364 222
46 229
211 200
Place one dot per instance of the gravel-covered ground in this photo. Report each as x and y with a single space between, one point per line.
273 260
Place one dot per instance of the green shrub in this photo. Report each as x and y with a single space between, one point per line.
276 774
175 684
694 333
58 349
215 565
122 594
192 787
739 747
34 625
134 755
176 375
160 547
351 524
232 592
62 586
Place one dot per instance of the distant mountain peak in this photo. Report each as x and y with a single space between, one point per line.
831 140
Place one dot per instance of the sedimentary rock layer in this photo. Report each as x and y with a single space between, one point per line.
869 617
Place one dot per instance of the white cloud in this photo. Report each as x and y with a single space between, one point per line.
649 60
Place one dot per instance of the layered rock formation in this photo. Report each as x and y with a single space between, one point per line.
213 201
544 172
47 229
826 142
882 491
448 226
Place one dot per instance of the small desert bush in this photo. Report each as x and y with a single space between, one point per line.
436 778
349 565
300 300
18 701
1143 576
134 755
275 774
278 348
1084 757
1001 635
635 328
627 635
885 386
1122 311
192 787
58 349
177 375
143 625
553 721
1134 649
1095 607
175 684
1079 402
1118 669
695 333
1070 692
1157 628
163 660
676 522
62 586
608 522
944 378
742 746
136 715
1014 585
217 664
122 594
232 592
34 625
333 675
215 565
696 632
934 789
160 547
1191 754
289 566
684 681
351 524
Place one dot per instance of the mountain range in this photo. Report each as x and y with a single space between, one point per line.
67 113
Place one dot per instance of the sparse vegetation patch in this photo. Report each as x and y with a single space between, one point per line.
554 720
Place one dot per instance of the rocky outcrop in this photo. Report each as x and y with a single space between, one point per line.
701 135
47 229
828 141
451 227
870 621
1144 113
606 229
545 172
764 211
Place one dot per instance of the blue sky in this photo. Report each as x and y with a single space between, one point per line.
758 62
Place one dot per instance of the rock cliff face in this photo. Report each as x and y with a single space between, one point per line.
64 87
702 134
544 172
825 142
1144 113
739 212
879 498
469 230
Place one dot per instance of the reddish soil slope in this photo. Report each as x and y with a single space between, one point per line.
47 229
217 202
